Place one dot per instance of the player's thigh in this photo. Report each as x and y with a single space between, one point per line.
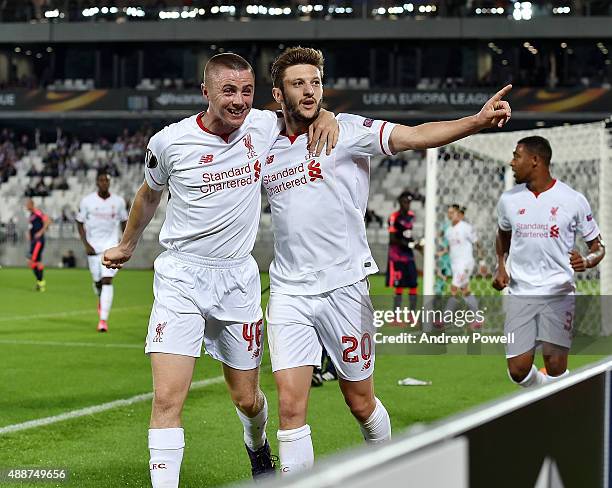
176 325
520 325
345 323
95 266
292 337
461 274
237 345
556 323
172 374
236 292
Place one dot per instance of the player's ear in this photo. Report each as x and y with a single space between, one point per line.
277 94
204 90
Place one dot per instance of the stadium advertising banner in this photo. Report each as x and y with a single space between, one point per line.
594 100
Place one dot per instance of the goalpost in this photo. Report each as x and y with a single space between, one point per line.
475 171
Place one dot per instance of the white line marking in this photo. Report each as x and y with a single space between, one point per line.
98 408
89 311
70 344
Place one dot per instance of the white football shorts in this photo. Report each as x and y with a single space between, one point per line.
533 320
341 320
462 272
97 269
214 301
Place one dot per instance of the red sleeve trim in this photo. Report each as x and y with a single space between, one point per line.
380 139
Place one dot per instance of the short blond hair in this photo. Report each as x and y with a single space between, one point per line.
226 60
292 56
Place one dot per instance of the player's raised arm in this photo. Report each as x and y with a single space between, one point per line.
502 248
143 209
495 113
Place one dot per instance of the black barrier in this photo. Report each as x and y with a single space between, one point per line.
552 436
559 437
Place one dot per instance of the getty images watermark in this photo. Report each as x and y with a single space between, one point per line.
427 325
488 324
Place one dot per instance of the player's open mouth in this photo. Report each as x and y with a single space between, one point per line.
236 113
308 103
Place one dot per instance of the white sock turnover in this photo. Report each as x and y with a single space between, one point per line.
166 449
377 428
295 450
255 427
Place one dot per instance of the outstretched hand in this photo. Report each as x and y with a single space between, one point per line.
496 112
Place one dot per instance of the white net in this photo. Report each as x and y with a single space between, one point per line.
475 171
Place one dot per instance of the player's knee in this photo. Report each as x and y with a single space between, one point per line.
166 402
361 406
555 365
291 410
246 402
518 371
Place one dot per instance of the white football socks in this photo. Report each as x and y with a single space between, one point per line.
255 428
377 428
534 377
295 450
166 448
555 378
106 301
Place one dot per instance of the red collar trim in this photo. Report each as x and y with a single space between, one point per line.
537 194
291 138
225 137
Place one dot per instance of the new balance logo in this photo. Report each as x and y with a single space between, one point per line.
521 211
554 231
314 170
159 331
248 143
206 159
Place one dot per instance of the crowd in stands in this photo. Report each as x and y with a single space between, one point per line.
12 149
63 158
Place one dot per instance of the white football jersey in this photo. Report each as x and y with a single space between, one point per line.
318 206
101 218
544 228
214 183
461 239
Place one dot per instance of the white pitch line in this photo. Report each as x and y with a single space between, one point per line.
97 408
64 314
70 344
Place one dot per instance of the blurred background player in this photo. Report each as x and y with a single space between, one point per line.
538 222
38 225
461 238
98 220
401 266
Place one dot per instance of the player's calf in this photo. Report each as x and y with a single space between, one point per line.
370 413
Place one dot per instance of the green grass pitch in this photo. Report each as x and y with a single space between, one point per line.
53 361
